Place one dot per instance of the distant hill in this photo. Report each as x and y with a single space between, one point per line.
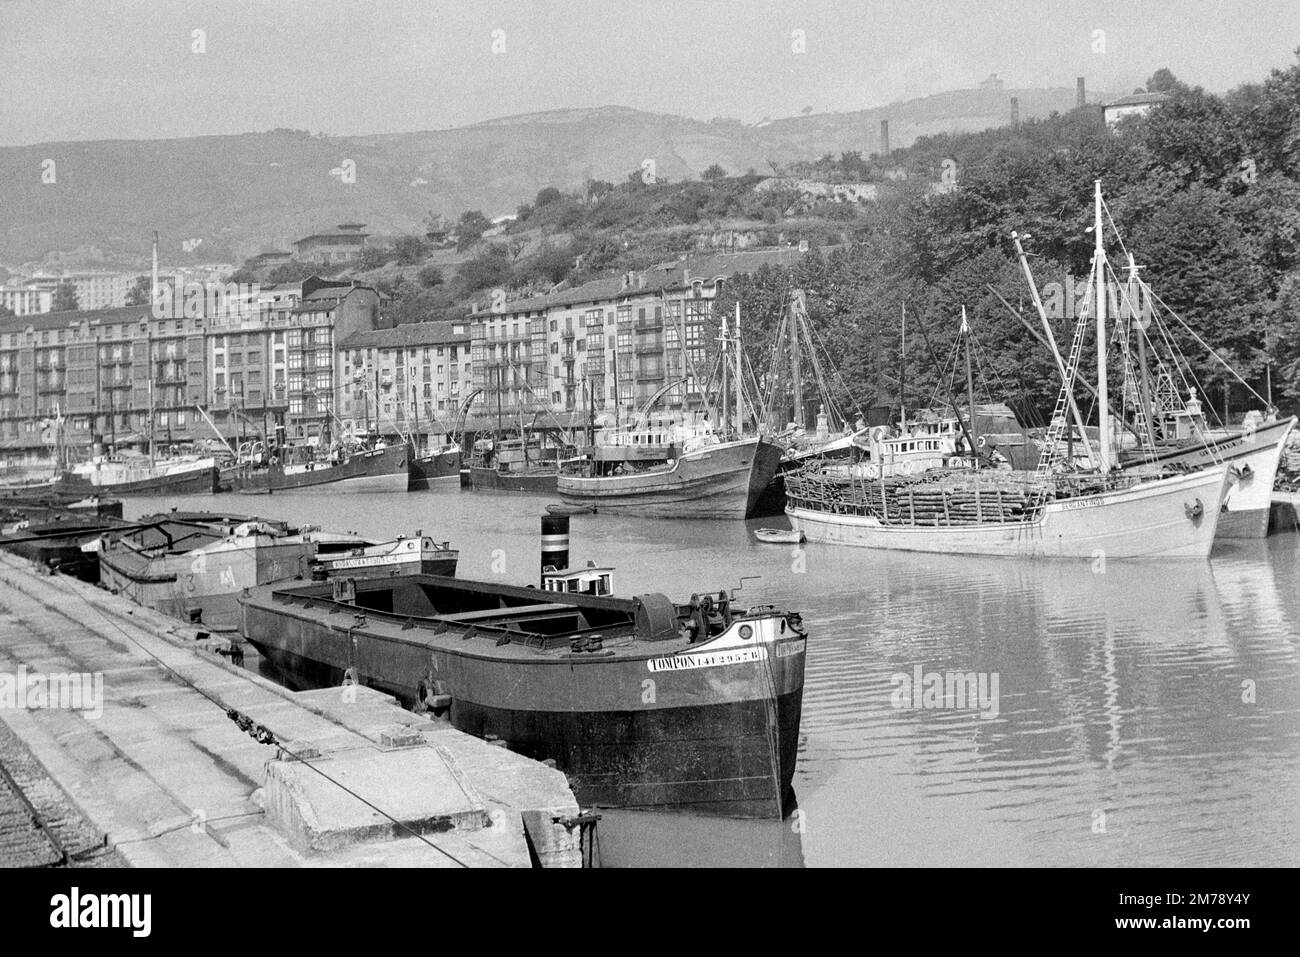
243 194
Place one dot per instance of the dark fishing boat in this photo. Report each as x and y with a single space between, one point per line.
430 466
642 702
708 479
384 468
138 475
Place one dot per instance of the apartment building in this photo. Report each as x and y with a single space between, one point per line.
621 341
407 380
260 365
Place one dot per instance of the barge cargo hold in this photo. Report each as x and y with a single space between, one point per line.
641 702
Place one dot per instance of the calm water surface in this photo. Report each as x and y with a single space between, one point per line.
1121 735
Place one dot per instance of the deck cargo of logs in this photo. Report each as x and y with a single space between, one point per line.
950 498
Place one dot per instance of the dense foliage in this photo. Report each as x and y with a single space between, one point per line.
1205 192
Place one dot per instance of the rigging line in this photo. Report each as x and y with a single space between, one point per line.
227 709
1181 364
1206 346
826 352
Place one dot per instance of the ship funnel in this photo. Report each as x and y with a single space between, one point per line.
555 542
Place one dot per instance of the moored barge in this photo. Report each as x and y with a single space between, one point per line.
641 702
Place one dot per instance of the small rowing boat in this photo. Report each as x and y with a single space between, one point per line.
779 536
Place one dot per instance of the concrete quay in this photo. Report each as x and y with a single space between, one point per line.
352 778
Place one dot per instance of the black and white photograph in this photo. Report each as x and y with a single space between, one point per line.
650 435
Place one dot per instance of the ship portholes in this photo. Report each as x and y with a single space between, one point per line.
746 631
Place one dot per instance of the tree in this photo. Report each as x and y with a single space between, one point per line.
430 276
372 257
410 249
7 313
1164 81
547 196
470 228
488 269
713 173
65 298
138 294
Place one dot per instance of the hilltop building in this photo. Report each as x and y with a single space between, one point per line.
1136 104
341 245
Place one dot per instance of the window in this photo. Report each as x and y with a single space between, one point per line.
219 380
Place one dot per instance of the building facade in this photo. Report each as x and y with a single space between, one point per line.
342 244
610 346
26 300
409 380
258 367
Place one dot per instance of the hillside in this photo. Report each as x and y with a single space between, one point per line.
242 194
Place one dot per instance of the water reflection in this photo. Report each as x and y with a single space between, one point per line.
1147 713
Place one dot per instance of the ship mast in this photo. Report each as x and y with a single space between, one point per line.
1103 395
902 375
724 416
796 366
970 388
740 381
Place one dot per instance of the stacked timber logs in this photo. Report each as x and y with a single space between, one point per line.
931 500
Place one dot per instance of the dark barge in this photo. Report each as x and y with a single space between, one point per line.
641 702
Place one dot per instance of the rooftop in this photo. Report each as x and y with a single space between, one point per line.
1137 99
665 277
408 334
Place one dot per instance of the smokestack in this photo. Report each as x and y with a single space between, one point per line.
1083 100
153 285
555 542
884 137
1015 111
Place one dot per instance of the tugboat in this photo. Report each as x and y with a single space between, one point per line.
643 702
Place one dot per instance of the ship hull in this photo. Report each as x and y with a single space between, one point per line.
433 467
717 482
484 479
654 731
200 481
1253 458
378 470
202 586
1157 519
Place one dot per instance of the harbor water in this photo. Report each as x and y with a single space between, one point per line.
1128 714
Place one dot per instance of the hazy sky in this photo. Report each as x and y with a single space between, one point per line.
100 69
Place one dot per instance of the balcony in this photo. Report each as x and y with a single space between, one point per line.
49 387
117 384
649 345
